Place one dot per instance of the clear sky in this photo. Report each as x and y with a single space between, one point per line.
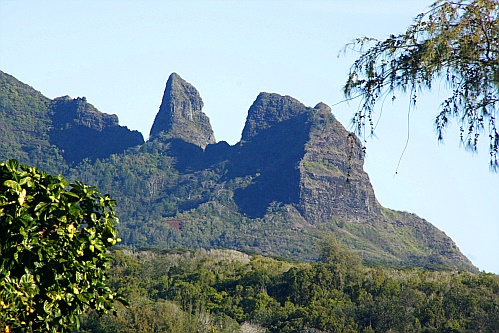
119 54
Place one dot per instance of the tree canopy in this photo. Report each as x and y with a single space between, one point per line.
456 41
53 250
225 291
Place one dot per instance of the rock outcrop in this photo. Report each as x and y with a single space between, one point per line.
56 134
180 115
268 110
302 156
333 183
81 131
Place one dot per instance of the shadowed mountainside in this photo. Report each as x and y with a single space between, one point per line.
56 134
295 176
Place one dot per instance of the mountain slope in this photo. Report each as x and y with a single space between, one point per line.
295 176
81 131
56 134
24 123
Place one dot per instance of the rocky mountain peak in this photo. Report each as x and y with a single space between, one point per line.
67 112
333 182
180 115
81 131
268 110
323 107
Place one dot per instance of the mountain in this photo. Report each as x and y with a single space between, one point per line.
81 131
180 114
56 134
24 123
295 176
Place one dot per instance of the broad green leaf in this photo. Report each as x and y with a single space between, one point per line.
12 184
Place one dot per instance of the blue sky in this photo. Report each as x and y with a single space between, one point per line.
119 55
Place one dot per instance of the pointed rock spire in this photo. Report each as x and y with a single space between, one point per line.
180 115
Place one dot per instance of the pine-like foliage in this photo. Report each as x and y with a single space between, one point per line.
457 41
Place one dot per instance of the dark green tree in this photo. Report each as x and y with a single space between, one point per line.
345 264
456 41
53 250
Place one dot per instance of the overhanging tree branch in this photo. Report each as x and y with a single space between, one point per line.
457 41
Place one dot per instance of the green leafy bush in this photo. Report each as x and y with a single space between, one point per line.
53 250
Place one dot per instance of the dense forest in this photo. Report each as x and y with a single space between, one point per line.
230 291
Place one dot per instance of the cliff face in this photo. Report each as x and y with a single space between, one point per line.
301 156
271 147
333 183
55 134
180 115
81 131
68 112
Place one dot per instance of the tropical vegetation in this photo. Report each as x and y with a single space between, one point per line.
229 291
53 250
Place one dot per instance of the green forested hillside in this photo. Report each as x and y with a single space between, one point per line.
24 124
229 291
55 135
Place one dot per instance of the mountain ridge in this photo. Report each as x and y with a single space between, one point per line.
57 134
277 191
